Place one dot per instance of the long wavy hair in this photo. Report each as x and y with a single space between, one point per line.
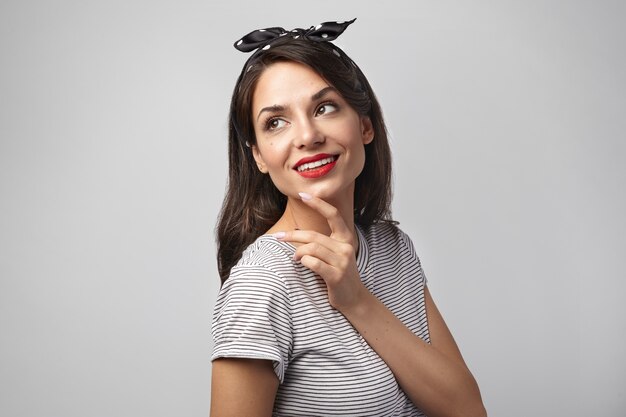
252 203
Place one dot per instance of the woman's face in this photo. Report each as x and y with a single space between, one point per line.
309 139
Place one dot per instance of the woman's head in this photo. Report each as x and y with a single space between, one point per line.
252 203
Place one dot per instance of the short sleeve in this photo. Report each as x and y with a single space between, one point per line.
252 318
412 255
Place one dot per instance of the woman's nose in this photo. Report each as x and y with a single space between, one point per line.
308 134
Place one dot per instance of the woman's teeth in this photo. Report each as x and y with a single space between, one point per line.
312 165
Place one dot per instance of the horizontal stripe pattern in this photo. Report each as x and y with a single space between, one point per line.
276 309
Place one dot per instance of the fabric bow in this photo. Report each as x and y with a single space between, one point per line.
323 32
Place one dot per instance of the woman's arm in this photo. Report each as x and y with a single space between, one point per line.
433 376
242 387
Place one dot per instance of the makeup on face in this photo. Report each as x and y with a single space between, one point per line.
316 166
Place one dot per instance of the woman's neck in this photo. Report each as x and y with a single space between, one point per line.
298 215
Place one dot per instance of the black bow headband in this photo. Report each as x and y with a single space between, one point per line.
262 38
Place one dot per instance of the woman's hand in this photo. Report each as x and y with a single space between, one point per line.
331 257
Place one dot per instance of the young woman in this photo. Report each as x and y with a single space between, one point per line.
324 308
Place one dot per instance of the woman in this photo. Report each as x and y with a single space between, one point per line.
323 308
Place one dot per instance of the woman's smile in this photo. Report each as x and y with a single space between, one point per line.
316 166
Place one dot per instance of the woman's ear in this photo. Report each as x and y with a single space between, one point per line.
367 130
259 159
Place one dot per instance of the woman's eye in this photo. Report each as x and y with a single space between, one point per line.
326 108
273 124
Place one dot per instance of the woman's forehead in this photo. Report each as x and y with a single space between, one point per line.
284 83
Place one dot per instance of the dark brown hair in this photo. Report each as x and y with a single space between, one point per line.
252 203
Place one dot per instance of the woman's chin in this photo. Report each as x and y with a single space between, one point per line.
329 194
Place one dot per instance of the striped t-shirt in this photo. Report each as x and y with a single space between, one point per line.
274 308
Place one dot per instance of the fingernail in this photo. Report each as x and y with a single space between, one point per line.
279 235
305 196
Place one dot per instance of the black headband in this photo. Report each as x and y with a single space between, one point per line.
261 39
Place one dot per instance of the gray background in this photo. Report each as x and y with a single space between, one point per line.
507 125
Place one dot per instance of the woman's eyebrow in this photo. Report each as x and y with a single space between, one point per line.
273 109
322 93
279 108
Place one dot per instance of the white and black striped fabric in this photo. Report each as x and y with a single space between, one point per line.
274 308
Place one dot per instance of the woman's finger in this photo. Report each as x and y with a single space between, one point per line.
334 245
304 236
300 236
322 269
338 226
318 251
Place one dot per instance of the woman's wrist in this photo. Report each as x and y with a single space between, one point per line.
359 310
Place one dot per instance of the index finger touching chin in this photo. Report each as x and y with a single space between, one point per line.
330 212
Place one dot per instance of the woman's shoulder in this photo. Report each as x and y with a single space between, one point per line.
384 231
268 254
387 236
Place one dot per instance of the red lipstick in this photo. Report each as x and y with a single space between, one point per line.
316 166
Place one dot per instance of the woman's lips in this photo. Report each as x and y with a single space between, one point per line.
316 166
